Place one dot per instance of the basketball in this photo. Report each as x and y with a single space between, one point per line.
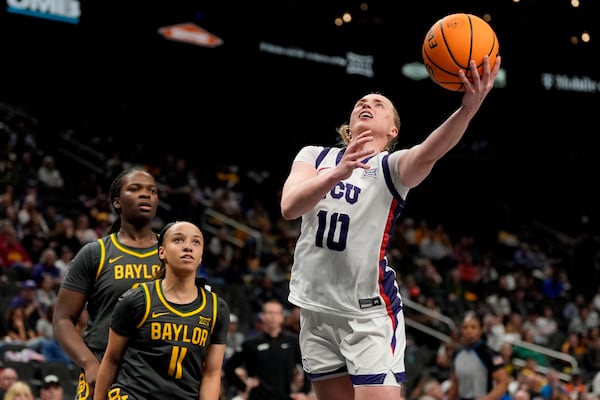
452 42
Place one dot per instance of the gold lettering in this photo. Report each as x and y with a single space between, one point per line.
168 332
134 271
129 272
203 337
177 330
179 333
155 331
186 337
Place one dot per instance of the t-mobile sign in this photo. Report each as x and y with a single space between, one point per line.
59 10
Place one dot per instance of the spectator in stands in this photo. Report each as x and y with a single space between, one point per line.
576 388
26 173
265 290
49 176
455 302
226 201
488 272
257 216
470 275
530 378
279 269
442 367
506 351
497 297
436 245
292 320
522 394
530 324
46 265
574 346
9 204
547 326
529 256
83 229
178 189
65 256
584 320
554 388
91 191
553 286
410 288
103 223
595 385
431 319
30 216
46 292
590 361
51 215
35 241
8 376
64 235
219 247
429 279
27 299
255 180
513 327
571 306
420 232
400 251
428 388
13 255
18 328
20 390
494 330
235 338
51 388
596 300
47 344
519 301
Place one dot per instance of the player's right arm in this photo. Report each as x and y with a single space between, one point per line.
110 364
70 303
306 185
68 308
417 162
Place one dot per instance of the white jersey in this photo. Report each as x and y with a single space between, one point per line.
340 263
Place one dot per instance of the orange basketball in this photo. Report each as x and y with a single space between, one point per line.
452 42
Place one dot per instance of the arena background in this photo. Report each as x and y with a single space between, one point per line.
279 80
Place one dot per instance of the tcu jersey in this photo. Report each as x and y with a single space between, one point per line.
103 270
344 239
167 342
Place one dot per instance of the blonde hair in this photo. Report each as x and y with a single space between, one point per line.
19 387
344 129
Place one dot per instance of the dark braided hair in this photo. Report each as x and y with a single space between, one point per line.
115 192
160 272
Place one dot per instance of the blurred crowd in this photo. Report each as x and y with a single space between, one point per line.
50 207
